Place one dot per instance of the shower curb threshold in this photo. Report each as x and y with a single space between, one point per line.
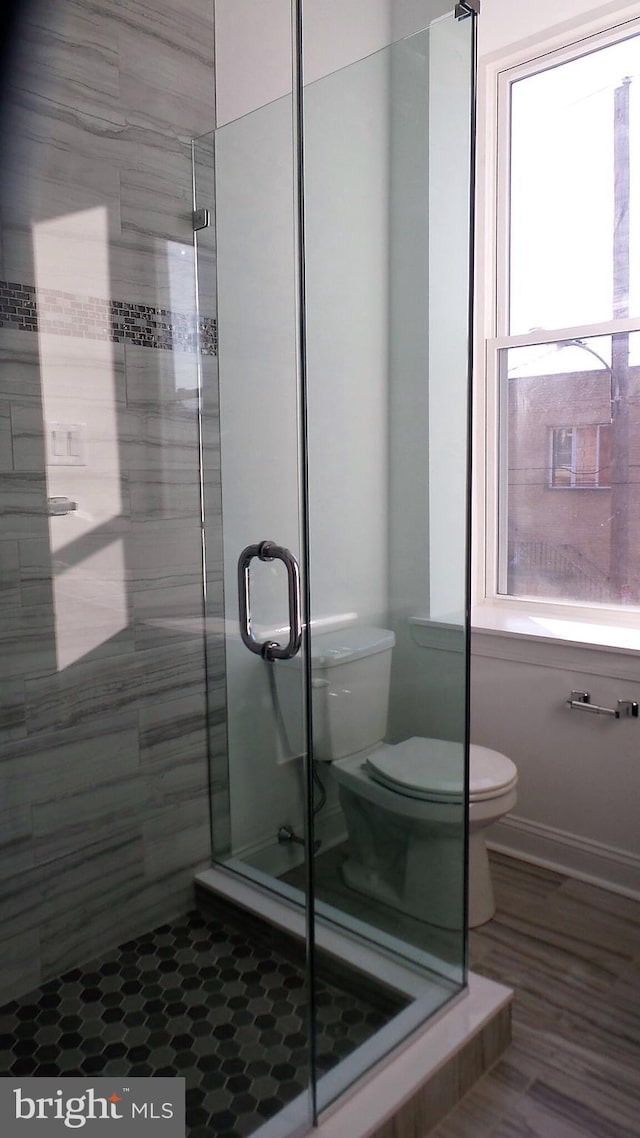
421 1063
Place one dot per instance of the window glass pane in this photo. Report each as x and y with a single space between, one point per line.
570 470
575 188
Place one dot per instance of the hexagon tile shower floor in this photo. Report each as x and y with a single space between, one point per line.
196 998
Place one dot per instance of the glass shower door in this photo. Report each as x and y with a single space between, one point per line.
251 489
362 459
244 173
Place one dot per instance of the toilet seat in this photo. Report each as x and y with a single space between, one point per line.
430 770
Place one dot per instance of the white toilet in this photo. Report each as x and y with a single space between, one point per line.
403 802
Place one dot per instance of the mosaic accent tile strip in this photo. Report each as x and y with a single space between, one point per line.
25 308
197 998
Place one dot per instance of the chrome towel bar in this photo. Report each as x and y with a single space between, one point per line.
581 701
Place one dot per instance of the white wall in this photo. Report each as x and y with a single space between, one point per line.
579 776
428 376
506 22
253 46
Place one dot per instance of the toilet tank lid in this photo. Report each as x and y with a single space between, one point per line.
328 649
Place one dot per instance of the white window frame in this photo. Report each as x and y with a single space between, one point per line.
490 608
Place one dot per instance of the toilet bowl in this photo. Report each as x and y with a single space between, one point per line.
403 803
405 815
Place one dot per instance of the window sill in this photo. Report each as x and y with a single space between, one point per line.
514 632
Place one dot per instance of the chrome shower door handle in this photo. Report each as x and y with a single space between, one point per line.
270 649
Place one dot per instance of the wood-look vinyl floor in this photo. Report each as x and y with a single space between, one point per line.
571 952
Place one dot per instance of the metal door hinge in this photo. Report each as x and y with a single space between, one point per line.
201 219
466 8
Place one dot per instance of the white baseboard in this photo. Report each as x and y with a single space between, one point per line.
582 858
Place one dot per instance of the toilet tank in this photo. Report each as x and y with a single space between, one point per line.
350 689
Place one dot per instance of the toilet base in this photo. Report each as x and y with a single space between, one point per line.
413 862
482 905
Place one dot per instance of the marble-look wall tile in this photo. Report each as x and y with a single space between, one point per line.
161 208
161 440
73 59
169 23
6 442
174 671
19 366
154 58
16 844
154 270
20 964
63 700
27 430
88 897
10 596
177 837
162 616
36 573
113 805
27 642
23 505
104 721
12 713
156 379
164 554
69 762
154 497
219 788
173 735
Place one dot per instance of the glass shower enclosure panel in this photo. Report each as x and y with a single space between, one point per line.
339 786
387 175
250 414
244 172
387 165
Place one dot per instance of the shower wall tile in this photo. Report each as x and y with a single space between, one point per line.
12 716
19 367
21 970
159 210
27 644
6 445
105 719
162 616
16 845
10 596
65 763
155 497
23 505
164 554
169 24
173 734
36 571
178 835
176 670
113 806
163 439
63 700
76 57
158 378
28 440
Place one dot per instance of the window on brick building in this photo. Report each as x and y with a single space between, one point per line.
563 360
581 457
